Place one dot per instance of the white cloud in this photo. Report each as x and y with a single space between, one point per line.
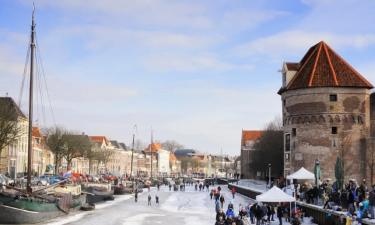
241 19
191 63
296 41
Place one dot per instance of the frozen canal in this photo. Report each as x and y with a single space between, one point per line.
175 208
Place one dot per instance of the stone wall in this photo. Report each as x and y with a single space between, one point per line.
314 117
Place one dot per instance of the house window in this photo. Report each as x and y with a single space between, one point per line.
284 102
334 130
333 97
287 142
294 132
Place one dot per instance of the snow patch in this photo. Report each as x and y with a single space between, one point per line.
138 219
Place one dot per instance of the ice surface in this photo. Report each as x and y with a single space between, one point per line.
176 208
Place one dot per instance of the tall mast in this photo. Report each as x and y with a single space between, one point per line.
30 138
131 164
151 151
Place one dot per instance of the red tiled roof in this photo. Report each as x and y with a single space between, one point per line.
250 135
292 66
323 67
36 132
98 139
155 147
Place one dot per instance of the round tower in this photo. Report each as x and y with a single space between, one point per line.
326 114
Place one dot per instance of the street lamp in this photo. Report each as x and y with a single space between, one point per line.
269 174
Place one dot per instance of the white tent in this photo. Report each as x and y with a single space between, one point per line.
301 174
275 195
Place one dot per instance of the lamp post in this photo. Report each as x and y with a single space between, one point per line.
269 174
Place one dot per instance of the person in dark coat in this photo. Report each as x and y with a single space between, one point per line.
280 214
220 214
222 201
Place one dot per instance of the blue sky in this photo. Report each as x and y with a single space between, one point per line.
196 71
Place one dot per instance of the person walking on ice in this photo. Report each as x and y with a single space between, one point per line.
149 200
157 199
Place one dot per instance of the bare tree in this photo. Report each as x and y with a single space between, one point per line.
269 149
56 144
75 146
139 145
104 156
171 145
10 128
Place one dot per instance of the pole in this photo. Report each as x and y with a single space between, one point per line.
131 162
151 154
30 138
269 175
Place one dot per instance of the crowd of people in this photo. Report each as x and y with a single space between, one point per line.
358 201
252 213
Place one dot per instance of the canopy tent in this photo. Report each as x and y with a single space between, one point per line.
275 195
301 174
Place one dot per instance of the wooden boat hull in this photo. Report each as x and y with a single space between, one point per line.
95 196
25 211
122 190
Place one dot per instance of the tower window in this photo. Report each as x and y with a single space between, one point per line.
333 97
294 132
287 142
334 130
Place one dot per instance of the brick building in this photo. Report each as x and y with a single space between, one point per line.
248 139
326 114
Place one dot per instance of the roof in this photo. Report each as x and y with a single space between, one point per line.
99 139
36 132
250 135
184 152
123 146
292 66
321 66
8 102
155 147
115 143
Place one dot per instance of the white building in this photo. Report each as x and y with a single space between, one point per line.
163 162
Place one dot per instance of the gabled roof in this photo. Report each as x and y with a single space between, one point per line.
250 135
8 103
123 146
184 152
323 67
115 143
99 139
155 147
292 66
36 132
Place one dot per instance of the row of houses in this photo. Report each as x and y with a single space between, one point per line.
13 158
119 157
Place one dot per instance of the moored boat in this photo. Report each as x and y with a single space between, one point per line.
98 192
19 209
30 206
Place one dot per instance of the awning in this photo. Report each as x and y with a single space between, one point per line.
301 174
275 195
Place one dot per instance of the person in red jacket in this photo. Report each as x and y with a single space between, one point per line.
233 191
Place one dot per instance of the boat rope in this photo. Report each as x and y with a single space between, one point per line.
25 70
43 80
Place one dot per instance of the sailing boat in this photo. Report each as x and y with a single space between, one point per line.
25 206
